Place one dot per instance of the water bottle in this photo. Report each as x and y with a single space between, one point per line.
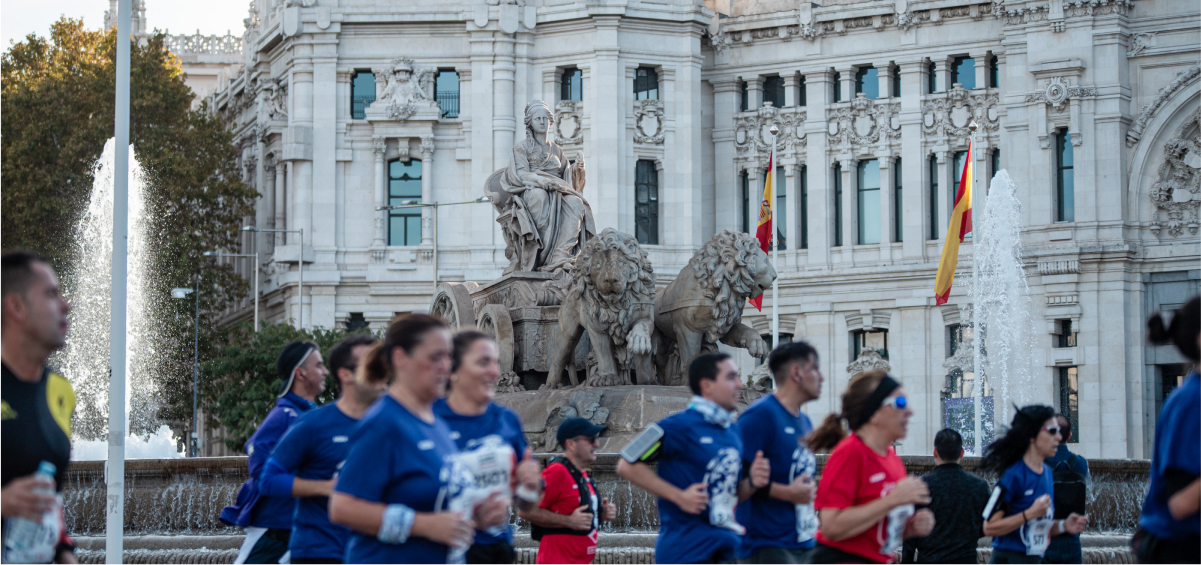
29 541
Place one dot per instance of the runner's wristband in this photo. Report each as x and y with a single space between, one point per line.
1061 527
397 524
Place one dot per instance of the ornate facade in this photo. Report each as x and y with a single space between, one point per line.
1092 107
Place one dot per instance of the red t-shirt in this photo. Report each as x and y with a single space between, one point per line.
562 496
855 475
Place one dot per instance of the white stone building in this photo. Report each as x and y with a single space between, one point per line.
1092 107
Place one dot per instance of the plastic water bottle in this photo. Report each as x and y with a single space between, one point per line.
29 541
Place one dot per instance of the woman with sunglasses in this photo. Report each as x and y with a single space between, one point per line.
1020 511
865 500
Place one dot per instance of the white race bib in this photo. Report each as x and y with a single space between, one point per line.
895 528
1036 534
721 474
804 463
490 461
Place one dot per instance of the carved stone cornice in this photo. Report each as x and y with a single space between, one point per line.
378 146
869 360
427 147
1058 91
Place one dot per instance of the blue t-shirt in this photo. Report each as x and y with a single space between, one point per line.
695 451
477 434
313 449
1177 452
1021 488
252 507
767 425
396 458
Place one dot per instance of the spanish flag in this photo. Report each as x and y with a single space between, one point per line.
764 231
961 225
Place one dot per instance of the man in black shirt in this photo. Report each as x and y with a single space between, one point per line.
957 499
37 402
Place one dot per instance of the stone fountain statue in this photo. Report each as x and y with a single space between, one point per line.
539 196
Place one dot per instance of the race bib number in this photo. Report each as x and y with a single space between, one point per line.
1036 534
804 463
894 528
721 474
490 461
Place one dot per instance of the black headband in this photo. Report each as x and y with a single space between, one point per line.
875 400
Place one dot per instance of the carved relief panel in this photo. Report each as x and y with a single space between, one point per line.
950 116
569 124
864 123
1177 192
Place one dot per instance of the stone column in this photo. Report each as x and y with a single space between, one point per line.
818 82
791 229
281 190
378 146
944 74
915 205
750 205
944 189
981 69
754 93
606 102
267 189
886 208
850 205
884 72
846 83
686 143
427 189
726 187
322 216
504 125
791 95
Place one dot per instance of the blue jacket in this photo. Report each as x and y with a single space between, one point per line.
252 507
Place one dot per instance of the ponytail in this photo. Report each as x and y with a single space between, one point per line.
831 431
406 332
1182 332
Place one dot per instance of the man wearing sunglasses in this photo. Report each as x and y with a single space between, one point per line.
566 523
304 464
1071 489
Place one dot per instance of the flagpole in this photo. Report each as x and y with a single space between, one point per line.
775 284
977 337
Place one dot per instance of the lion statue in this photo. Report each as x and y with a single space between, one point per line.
703 305
611 296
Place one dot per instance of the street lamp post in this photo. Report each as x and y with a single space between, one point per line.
300 260
194 446
256 278
434 227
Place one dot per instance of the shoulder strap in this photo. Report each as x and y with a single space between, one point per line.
582 482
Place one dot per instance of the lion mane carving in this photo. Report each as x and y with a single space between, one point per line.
703 305
611 297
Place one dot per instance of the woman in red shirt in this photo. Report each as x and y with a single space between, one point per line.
865 500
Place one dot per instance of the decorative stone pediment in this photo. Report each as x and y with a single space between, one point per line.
869 360
950 116
1057 91
1183 79
648 122
405 93
569 125
753 132
865 122
1177 192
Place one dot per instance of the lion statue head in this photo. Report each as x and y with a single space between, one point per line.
615 281
731 268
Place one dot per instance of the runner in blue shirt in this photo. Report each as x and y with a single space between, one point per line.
699 476
1170 526
780 520
489 437
402 491
306 460
1020 511
266 519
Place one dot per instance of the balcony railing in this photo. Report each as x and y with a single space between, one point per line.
449 102
359 104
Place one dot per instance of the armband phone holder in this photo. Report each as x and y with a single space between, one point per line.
643 445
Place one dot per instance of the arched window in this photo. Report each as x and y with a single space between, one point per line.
867 82
404 187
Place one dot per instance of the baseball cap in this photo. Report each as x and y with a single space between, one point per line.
290 359
575 427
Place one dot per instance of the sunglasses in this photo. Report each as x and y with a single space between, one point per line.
898 402
1053 430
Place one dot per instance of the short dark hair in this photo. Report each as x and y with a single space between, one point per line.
1067 427
702 368
16 270
341 354
782 356
948 444
462 343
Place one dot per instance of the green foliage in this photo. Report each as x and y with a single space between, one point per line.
239 385
57 100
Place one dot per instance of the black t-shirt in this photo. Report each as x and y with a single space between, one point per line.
36 425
